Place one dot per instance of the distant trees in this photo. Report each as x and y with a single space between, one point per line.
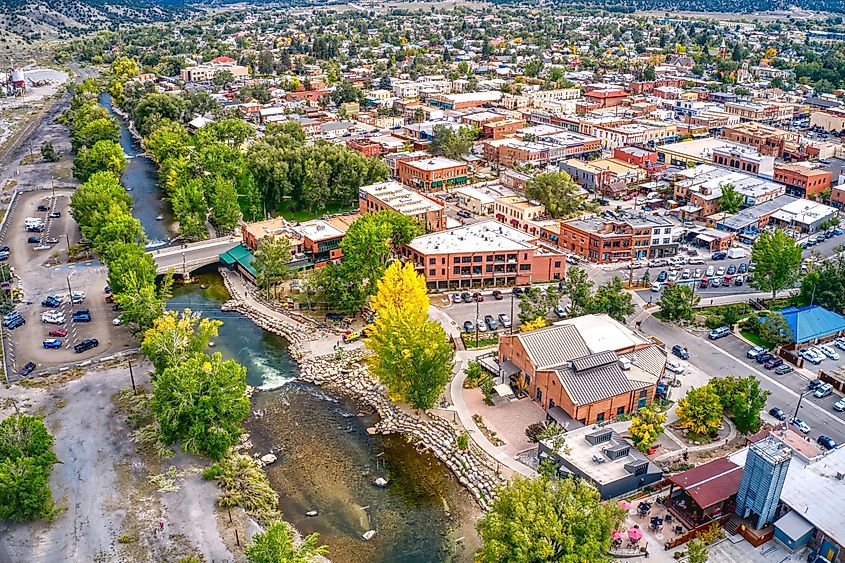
446 142
548 519
26 461
777 260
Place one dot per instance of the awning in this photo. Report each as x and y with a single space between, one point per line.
705 238
504 391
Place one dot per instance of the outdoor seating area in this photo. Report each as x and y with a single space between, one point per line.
651 516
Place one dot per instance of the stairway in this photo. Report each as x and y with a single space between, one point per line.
732 525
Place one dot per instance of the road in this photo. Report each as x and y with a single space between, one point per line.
192 256
726 356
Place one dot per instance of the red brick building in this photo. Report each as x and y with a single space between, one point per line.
837 197
802 181
364 147
432 173
603 241
591 367
501 129
484 254
606 97
393 196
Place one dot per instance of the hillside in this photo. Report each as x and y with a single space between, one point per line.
728 6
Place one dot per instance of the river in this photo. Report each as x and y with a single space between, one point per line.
140 179
328 462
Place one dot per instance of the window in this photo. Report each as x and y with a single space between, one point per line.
432 260
456 260
456 270
489 257
432 271
620 411
600 417
524 267
477 258
551 402
539 395
466 259
489 268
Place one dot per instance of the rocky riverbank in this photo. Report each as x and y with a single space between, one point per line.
345 372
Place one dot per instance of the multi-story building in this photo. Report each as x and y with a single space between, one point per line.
501 129
432 174
760 111
603 175
205 72
517 212
465 100
802 179
699 189
768 140
393 196
837 197
483 254
635 133
744 159
313 244
831 120
592 368
605 241
605 97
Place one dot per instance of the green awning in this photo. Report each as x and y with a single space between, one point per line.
241 256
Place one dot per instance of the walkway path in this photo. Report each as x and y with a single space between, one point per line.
456 395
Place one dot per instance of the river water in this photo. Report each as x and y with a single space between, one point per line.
328 462
139 179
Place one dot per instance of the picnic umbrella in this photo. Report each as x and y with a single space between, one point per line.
635 534
625 504
617 535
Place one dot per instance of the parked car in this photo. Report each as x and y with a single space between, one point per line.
763 357
5 248
704 283
14 322
743 267
466 297
86 344
720 271
680 351
716 282
34 240
497 295
719 332
823 391
783 369
42 207
478 297
463 213
4 256
60 332
829 352
455 298
826 442
81 316
698 273
711 270
801 425
490 321
674 367
561 311
719 255
518 291
53 317
815 384
469 326
731 270
777 413
840 343
773 363
55 214
696 260
51 301
656 287
754 352
52 343
505 320
662 276
839 406
810 356
28 368
739 280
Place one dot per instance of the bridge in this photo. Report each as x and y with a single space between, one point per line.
186 258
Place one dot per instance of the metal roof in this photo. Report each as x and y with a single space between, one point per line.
593 360
710 483
793 525
553 346
811 322
596 384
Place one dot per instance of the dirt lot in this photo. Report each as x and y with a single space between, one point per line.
110 509
41 272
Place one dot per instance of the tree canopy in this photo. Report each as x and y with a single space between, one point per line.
26 460
700 411
777 261
277 545
547 519
557 191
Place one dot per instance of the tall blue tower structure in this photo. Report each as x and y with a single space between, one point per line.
762 481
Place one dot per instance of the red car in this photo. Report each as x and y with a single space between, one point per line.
477 296
60 332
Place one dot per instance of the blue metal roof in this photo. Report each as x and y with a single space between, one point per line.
812 321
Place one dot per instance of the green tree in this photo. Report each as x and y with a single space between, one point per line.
411 354
777 261
128 260
533 68
579 289
678 301
826 286
87 134
537 304
743 398
557 191
648 73
700 411
26 460
142 303
646 427
776 330
49 152
612 299
546 519
123 67
175 337
697 551
153 108
731 200
103 156
446 142
223 199
278 545
346 92
223 78
272 261
201 403
190 209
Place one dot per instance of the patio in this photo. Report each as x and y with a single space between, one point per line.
508 419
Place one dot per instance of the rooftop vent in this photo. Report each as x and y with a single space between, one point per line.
617 451
598 458
599 436
624 362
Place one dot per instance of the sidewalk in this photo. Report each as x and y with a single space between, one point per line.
456 396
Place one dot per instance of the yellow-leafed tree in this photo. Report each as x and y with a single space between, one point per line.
539 322
700 411
411 354
646 426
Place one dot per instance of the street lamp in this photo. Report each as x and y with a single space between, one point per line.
798 406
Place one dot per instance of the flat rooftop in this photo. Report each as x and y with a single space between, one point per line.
400 198
436 163
485 236
701 149
318 230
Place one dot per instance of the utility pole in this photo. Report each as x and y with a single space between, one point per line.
476 322
512 321
798 406
132 377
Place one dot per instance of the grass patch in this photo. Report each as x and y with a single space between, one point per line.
244 484
755 338
305 215
469 342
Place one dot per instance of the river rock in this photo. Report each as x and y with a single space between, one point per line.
311 513
380 482
368 535
267 459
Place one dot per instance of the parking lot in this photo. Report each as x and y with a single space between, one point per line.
41 269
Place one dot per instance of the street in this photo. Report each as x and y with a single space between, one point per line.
726 356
